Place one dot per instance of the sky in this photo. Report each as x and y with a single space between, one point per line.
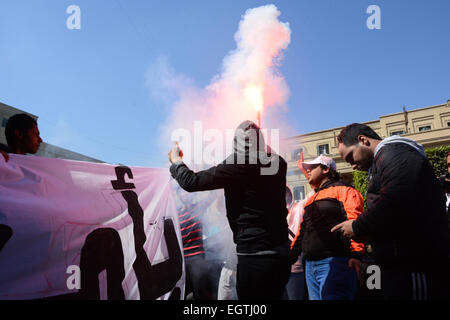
108 89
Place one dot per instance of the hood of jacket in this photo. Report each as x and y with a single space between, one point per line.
399 139
249 144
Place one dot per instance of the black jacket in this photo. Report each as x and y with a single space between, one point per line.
333 203
405 220
255 202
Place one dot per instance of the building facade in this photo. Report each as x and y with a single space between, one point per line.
429 126
45 150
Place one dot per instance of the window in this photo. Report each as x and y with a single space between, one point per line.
424 128
299 193
397 133
4 121
293 172
323 149
448 124
295 154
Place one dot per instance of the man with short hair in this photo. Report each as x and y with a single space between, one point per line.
405 221
22 134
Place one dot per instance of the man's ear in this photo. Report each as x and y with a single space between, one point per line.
326 170
18 134
362 139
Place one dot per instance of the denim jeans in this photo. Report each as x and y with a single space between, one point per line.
331 279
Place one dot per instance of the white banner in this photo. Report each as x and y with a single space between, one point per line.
72 229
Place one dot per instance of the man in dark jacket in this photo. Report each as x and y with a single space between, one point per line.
405 219
254 183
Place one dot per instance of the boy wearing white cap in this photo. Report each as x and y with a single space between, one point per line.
331 260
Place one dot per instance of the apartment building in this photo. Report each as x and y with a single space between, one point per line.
429 126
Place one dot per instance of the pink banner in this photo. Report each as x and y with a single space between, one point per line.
80 230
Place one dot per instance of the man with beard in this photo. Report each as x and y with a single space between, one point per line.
405 219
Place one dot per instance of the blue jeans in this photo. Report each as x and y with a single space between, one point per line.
331 279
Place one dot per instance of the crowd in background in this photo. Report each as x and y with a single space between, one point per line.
402 237
320 248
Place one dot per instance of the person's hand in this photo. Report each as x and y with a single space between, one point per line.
346 228
300 165
355 263
175 154
5 155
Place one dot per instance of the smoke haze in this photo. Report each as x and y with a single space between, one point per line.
223 103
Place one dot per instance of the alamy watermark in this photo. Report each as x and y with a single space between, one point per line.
211 146
374 20
74 280
74 20
374 280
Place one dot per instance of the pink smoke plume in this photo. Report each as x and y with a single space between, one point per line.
249 79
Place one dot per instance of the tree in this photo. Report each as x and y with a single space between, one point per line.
360 182
437 157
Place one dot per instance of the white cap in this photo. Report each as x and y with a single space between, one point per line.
326 161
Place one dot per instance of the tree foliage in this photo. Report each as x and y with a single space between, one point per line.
437 157
360 182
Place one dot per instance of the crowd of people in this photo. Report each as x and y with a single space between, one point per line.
404 231
318 248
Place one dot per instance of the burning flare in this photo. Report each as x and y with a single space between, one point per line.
248 85
254 95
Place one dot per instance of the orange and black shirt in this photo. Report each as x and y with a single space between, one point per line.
333 203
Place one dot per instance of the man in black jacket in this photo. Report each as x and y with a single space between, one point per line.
254 183
405 219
